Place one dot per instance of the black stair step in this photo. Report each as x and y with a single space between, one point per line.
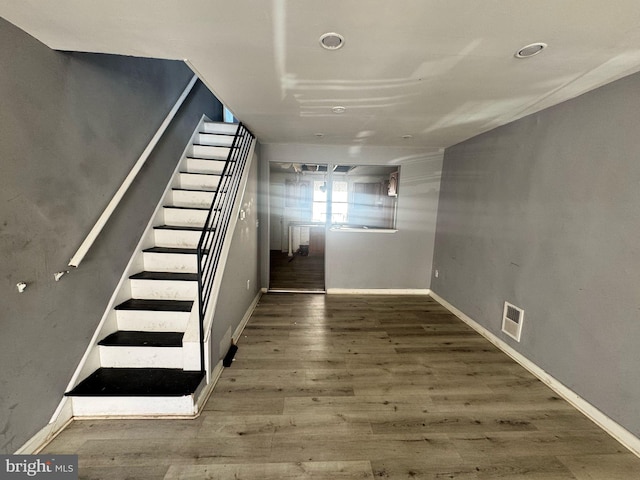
138 382
179 251
156 305
207 145
201 173
125 338
178 227
191 190
208 190
213 159
190 277
225 134
205 209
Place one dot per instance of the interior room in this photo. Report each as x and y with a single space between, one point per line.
314 240
307 200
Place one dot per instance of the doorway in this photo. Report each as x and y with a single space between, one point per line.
297 195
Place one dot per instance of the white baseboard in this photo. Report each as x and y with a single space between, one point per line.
617 431
62 418
378 291
247 316
208 389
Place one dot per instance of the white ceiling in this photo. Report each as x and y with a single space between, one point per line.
439 70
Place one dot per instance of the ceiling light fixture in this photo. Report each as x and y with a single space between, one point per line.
530 50
331 41
338 109
407 137
319 135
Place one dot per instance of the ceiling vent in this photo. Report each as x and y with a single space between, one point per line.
512 318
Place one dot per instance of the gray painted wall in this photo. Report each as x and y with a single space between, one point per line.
368 260
71 128
243 264
543 213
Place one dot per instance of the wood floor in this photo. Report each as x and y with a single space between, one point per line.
299 272
360 387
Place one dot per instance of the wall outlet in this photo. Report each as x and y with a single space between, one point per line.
436 273
248 284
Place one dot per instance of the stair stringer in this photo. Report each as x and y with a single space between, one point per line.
90 361
191 341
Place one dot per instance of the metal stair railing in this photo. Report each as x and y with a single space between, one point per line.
216 225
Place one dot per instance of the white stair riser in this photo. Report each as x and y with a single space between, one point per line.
196 165
187 198
152 321
164 289
195 181
225 128
123 406
184 217
207 151
176 238
170 262
215 139
141 357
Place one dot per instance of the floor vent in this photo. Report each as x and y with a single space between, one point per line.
512 318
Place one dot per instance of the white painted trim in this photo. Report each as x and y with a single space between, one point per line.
58 423
108 211
243 323
378 291
617 431
203 398
363 230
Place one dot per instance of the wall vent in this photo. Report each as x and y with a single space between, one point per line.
512 318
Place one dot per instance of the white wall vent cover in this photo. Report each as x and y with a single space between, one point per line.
512 318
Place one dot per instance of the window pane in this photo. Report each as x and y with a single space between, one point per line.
340 191
339 212
319 191
319 212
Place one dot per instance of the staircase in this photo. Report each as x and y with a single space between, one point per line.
149 358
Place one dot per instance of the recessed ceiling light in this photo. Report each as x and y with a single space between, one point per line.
530 50
407 137
319 135
331 41
338 109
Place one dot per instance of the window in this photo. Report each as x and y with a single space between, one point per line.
227 116
340 202
368 193
319 212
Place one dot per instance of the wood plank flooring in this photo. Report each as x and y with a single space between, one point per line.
360 387
296 273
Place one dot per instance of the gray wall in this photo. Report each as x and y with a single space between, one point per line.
243 264
368 260
71 128
544 213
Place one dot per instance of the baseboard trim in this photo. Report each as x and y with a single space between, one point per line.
617 431
247 315
203 398
378 291
60 420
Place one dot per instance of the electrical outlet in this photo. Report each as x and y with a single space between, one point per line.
248 284
436 273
